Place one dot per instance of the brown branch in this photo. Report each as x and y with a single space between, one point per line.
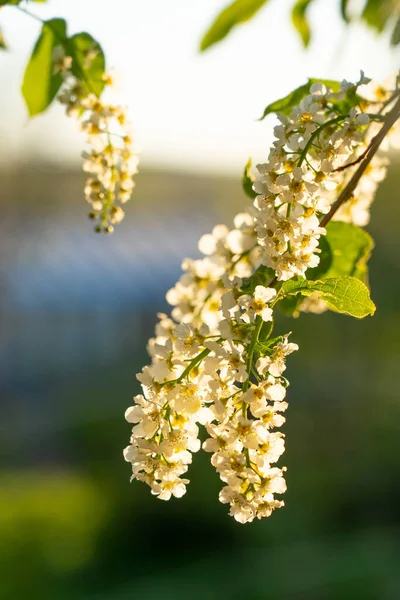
355 162
346 193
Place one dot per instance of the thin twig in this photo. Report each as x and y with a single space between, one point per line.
345 194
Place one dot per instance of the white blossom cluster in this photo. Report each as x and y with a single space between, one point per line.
214 362
200 375
111 160
242 439
196 298
310 161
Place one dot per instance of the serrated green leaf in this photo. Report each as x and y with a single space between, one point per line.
300 22
89 72
347 295
351 249
285 105
237 12
262 276
40 83
395 37
248 180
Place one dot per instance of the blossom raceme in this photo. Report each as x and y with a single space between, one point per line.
214 362
111 160
200 376
315 153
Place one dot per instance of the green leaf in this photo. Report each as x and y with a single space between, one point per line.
351 249
11 2
300 22
347 295
325 260
248 180
90 72
395 37
3 45
40 84
266 346
376 13
262 276
343 10
237 12
285 105
290 306
344 105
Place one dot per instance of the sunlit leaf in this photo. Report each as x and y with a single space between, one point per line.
395 37
299 20
248 180
285 105
325 261
3 45
347 295
237 12
88 61
4 2
376 13
343 10
40 83
351 249
262 276
290 305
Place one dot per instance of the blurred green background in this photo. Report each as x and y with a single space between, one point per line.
76 311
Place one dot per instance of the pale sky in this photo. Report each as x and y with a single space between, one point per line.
190 111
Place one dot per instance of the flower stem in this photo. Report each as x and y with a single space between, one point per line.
254 340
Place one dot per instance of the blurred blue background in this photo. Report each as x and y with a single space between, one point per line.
77 309
76 312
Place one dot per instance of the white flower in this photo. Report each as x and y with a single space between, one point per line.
275 364
170 485
258 304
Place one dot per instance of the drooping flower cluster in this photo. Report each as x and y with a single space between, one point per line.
202 374
111 159
214 362
316 151
244 444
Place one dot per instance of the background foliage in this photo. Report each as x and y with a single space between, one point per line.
71 525
377 14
